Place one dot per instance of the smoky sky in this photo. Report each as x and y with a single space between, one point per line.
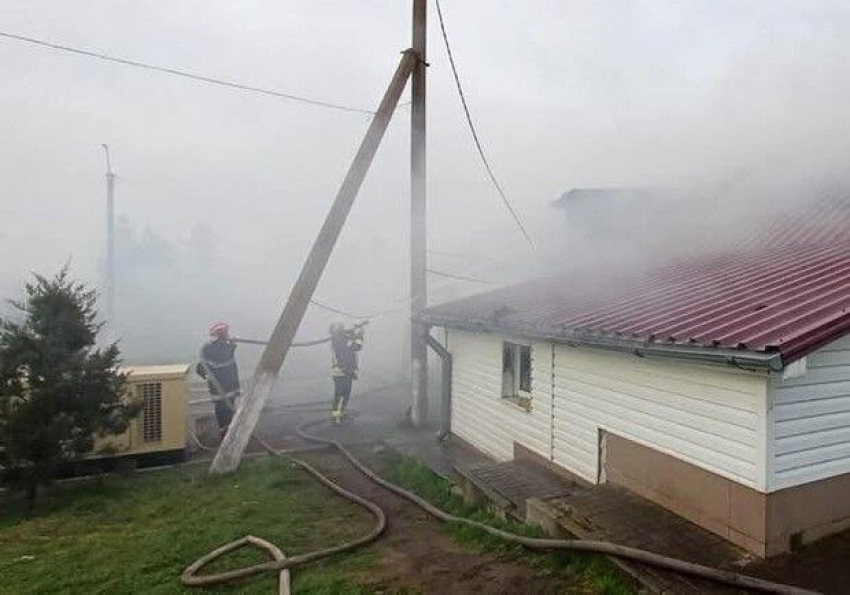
565 94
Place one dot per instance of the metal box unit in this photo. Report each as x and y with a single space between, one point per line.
159 430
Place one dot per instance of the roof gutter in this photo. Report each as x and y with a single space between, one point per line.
727 357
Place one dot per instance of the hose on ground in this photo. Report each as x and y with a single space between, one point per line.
190 577
350 414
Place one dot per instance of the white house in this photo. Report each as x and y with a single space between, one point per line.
718 388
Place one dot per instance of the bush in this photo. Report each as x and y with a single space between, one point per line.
57 390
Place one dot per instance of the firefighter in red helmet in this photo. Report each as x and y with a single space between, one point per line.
218 367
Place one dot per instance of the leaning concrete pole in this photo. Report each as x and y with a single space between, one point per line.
251 405
418 226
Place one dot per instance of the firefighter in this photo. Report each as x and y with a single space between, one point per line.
218 367
345 343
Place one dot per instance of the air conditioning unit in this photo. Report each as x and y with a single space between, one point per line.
158 433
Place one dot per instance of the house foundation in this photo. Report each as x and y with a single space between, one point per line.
764 524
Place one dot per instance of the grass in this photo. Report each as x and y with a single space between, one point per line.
597 573
136 534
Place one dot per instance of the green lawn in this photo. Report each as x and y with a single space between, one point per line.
136 534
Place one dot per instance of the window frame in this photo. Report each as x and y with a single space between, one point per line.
518 377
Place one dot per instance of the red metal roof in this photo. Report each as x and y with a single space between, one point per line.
790 294
826 221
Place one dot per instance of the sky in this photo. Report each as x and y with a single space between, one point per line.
221 191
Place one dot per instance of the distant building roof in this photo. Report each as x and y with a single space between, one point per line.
788 293
577 194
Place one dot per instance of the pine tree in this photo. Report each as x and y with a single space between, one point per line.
57 390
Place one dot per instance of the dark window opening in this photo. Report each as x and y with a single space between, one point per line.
516 370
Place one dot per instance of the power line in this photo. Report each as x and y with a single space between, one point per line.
396 306
459 277
185 74
341 312
472 129
465 256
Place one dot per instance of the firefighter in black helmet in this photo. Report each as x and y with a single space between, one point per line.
345 343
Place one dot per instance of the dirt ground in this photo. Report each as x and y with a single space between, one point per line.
416 555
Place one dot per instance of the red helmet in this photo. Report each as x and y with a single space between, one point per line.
219 328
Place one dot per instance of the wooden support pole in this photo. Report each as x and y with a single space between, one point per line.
418 222
260 387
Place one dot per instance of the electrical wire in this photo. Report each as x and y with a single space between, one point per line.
291 96
185 74
398 305
473 130
466 257
324 306
460 277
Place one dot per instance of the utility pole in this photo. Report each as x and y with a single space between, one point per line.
229 454
110 239
418 222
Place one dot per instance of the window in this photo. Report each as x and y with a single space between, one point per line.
150 393
516 371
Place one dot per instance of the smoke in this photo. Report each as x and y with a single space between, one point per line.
729 110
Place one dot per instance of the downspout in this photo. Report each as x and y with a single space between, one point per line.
445 388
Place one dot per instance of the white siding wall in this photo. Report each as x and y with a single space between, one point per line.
811 420
712 417
479 413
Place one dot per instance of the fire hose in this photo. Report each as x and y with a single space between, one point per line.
281 564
